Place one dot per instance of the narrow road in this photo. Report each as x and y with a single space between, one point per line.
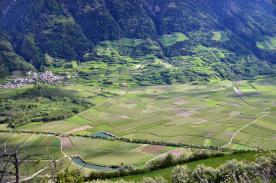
61 148
242 128
61 144
31 177
239 93
26 179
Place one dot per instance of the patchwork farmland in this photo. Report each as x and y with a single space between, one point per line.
207 115
211 114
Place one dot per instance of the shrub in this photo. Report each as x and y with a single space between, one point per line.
161 162
205 174
181 174
156 180
145 180
263 170
67 176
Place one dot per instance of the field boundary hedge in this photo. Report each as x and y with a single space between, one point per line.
127 140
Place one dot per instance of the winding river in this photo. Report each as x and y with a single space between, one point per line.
80 162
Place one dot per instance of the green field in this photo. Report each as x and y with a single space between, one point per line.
44 103
268 43
116 153
39 148
211 162
125 90
168 40
207 114
238 115
44 146
220 36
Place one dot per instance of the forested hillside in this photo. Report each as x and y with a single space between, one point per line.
228 38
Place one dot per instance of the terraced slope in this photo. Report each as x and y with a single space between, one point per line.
63 29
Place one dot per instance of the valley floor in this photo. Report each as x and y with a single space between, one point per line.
209 115
237 115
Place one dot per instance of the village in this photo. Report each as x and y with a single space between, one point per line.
46 77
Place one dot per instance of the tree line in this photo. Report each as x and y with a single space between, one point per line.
127 140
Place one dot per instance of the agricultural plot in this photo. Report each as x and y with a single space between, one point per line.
211 114
220 36
168 40
57 127
39 149
42 146
108 153
268 43
43 103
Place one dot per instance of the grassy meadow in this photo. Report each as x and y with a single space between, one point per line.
268 43
211 162
116 153
39 149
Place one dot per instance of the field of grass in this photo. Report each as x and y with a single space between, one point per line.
238 115
43 146
269 43
220 36
168 40
44 103
211 162
110 153
40 149
173 58
207 114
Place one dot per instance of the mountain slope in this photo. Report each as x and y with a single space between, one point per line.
70 29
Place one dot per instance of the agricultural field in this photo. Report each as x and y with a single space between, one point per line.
268 43
38 148
103 90
116 153
220 36
41 149
168 40
239 115
173 58
44 103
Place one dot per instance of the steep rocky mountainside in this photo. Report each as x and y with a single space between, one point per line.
71 29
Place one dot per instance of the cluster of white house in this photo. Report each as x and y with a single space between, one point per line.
34 77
